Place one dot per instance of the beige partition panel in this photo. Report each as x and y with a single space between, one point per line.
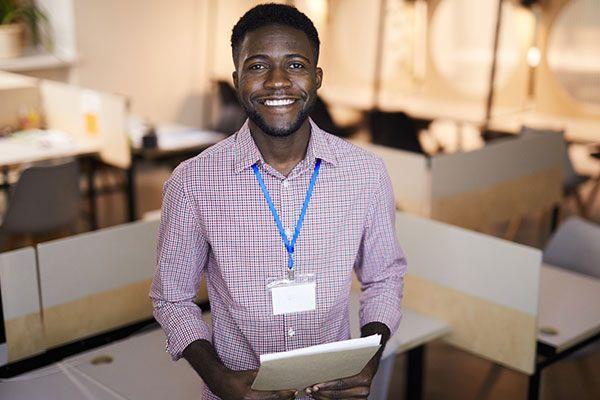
21 304
18 94
89 115
486 288
97 281
504 179
409 173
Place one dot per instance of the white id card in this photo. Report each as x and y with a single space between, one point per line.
293 296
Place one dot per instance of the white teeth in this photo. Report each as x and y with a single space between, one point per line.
278 103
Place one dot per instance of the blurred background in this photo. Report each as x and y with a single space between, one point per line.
486 112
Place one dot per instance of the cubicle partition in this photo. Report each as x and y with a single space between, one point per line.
486 288
97 281
76 288
21 305
507 178
90 121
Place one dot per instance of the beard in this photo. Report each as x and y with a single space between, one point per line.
280 132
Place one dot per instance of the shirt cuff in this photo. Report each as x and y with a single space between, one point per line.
387 314
185 333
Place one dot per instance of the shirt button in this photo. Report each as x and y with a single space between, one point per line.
291 332
286 184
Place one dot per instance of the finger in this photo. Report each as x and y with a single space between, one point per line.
274 395
359 392
340 384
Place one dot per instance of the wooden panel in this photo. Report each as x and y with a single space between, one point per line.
501 334
24 336
96 313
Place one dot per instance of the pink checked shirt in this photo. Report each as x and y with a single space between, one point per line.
216 220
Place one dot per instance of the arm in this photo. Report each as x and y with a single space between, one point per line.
224 382
380 267
182 254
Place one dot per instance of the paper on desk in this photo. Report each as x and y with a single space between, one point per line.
298 369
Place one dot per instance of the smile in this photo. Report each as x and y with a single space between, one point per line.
278 102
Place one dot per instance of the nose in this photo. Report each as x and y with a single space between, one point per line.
277 79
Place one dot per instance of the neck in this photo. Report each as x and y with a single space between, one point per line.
282 153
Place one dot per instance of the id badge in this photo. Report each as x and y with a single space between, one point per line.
293 294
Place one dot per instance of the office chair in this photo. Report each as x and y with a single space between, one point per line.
575 246
44 199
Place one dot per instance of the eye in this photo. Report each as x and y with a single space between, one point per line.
256 67
296 65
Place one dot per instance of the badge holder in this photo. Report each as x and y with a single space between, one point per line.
292 294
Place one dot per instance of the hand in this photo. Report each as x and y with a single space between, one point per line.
353 387
236 385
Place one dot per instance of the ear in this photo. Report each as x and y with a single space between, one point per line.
234 76
319 76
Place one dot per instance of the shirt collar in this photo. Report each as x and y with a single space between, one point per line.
246 152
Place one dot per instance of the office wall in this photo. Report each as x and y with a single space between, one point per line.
149 50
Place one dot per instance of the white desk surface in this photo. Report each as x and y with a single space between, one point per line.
415 329
141 369
171 137
569 303
15 151
52 383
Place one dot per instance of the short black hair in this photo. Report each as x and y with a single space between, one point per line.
273 14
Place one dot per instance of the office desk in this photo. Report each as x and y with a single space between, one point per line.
174 142
21 149
139 369
570 305
416 330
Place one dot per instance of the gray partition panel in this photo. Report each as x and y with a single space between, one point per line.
504 160
95 262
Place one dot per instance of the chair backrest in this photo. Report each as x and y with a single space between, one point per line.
45 198
575 246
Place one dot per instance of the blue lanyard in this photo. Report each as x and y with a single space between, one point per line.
289 245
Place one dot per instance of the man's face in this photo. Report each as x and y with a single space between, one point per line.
276 78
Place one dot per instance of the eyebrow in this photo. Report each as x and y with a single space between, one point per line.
261 56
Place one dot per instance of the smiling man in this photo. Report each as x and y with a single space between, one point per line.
279 207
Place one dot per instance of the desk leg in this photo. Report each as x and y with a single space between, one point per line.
534 384
131 211
414 373
91 175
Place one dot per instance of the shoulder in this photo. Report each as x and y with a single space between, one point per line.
353 157
212 161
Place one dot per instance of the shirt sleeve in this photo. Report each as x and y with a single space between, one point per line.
182 251
380 264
